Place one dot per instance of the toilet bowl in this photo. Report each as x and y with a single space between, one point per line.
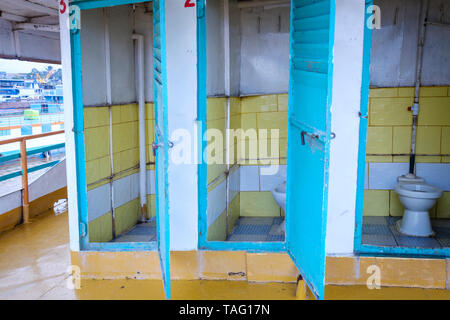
279 194
418 198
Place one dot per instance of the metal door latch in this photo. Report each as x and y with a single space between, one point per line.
160 145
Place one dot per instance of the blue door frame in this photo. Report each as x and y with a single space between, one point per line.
203 243
365 249
80 156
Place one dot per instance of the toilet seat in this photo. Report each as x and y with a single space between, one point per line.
418 190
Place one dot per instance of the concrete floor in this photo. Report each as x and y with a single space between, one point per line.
35 258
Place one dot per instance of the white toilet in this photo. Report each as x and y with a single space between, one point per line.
418 198
279 194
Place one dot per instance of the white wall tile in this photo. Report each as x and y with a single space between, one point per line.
234 184
151 183
383 176
435 174
216 203
98 202
269 182
249 178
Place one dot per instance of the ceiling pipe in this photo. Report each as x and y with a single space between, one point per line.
37 27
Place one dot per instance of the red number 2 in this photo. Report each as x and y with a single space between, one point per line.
63 6
188 4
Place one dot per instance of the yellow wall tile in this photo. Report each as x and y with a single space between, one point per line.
445 143
216 108
428 159
383 92
258 204
98 169
428 140
184 265
125 113
379 140
215 171
434 111
400 159
149 111
433 92
96 117
378 159
406 92
390 111
248 121
396 207
273 120
443 206
283 102
100 229
376 203
234 212
402 140
259 104
96 142
218 230
125 160
235 106
125 136
126 216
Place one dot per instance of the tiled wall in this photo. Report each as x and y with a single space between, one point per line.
249 191
389 136
125 135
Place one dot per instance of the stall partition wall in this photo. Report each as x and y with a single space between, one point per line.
247 191
311 65
385 140
125 182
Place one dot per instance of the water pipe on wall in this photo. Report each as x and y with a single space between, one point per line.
423 16
142 143
109 102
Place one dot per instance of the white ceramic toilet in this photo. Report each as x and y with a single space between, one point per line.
279 194
418 198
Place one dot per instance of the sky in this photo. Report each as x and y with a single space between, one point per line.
17 66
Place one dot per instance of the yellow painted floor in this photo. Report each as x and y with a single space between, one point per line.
34 259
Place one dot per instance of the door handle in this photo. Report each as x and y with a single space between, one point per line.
160 145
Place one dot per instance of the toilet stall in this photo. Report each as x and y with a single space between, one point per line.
225 140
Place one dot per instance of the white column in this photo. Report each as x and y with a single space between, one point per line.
181 40
346 100
68 125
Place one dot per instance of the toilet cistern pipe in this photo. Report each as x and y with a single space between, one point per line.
423 16
142 143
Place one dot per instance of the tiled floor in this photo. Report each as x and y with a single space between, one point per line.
144 232
381 231
257 229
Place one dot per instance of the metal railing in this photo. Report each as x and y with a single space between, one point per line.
24 164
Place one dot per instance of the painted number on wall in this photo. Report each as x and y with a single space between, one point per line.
62 6
189 4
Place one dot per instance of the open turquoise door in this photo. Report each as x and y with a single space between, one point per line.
161 144
309 135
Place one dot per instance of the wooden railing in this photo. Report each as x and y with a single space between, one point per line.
24 166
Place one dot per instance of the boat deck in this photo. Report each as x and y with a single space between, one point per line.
35 259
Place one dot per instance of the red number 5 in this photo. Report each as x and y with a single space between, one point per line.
188 4
63 6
